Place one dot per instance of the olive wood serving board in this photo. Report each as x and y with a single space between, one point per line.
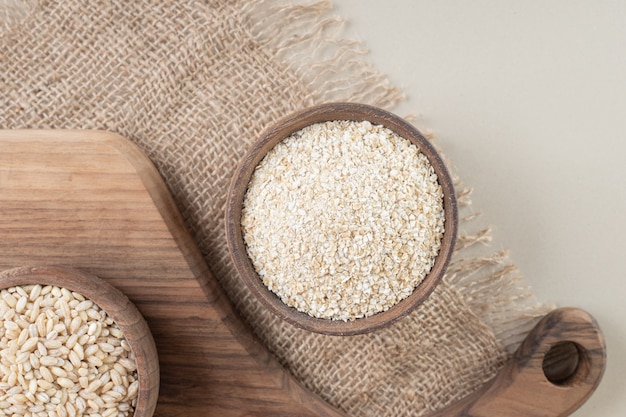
93 201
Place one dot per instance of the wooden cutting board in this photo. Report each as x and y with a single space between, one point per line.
93 201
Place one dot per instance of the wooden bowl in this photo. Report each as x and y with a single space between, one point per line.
239 185
118 307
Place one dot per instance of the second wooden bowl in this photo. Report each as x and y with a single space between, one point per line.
239 185
117 306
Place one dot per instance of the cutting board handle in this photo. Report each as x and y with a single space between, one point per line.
553 372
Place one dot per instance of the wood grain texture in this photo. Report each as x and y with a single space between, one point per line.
118 307
91 200
239 185
522 388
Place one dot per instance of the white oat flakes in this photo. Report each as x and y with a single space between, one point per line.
343 219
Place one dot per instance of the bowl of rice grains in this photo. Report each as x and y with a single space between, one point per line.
341 219
72 345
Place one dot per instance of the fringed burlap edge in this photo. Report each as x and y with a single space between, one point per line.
511 308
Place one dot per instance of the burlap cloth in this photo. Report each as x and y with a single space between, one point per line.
194 84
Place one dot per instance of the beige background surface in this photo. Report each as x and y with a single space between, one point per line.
528 100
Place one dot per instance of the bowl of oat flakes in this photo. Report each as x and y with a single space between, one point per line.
73 345
341 219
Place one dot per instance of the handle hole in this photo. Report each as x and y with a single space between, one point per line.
566 364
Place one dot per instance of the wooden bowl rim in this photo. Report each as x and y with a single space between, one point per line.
113 302
238 188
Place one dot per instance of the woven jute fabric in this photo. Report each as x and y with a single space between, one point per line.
194 84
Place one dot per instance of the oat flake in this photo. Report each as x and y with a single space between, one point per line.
343 219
